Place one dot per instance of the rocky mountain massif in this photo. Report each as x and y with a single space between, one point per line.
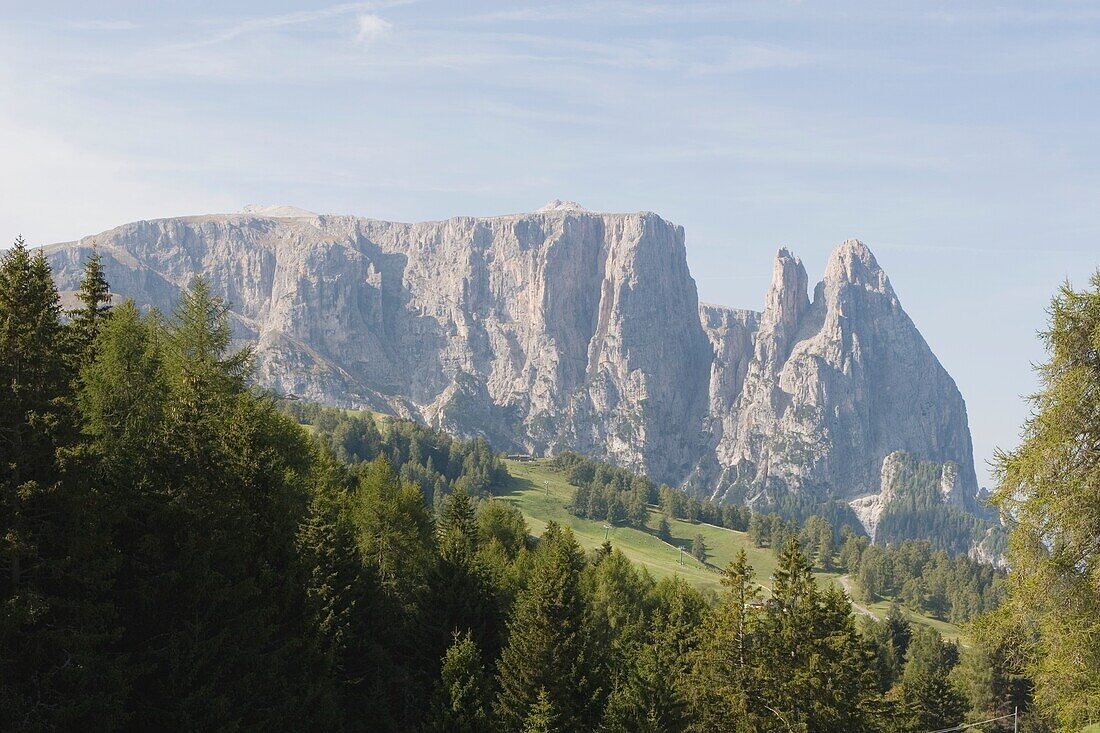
565 328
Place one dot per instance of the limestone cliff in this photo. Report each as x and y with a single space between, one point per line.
836 385
566 328
542 331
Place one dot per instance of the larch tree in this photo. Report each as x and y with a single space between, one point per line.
1049 492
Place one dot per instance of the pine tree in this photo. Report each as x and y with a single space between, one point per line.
56 618
462 702
548 654
723 680
95 298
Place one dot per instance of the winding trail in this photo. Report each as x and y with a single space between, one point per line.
845 583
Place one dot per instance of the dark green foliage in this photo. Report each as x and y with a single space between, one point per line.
605 492
918 512
502 524
664 531
56 620
699 548
928 697
542 717
617 495
434 460
95 304
462 696
647 693
550 650
179 554
723 677
809 642
931 582
990 678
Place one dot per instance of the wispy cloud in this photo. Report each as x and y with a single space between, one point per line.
372 27
303 17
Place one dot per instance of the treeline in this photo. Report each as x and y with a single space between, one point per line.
918 512
437 462
619 496
178 554
956 589
926 580
914 572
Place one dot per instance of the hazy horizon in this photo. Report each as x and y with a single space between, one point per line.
956 141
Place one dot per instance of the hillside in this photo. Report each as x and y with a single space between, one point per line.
542 494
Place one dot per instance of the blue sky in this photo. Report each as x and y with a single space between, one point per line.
958 139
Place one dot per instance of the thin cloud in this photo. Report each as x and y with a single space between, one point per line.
293 19
372 27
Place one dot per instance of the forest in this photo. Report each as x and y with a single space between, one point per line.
951 586
181 551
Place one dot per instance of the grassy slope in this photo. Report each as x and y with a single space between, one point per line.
542 495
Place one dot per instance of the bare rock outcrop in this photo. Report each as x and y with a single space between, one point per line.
566 328
560 329
835 386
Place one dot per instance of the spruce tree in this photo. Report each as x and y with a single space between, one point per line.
462 596
213 484
95 303
56 618
548 652
457 528
664 531
723 676
348 611
699 547
816 671
542 717
462 701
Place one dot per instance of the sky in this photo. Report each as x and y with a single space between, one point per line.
957 139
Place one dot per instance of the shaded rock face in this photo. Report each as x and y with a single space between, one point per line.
834 386
562 329
569 329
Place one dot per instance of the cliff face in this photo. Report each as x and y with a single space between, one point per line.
541 332
834 386
570 329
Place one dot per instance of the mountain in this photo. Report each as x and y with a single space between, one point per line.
566 328
824 392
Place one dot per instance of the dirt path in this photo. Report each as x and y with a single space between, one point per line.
845 583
